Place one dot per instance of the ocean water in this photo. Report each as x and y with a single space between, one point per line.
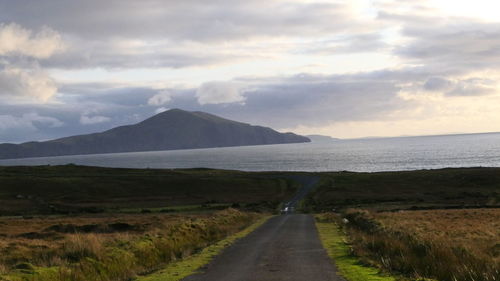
362 155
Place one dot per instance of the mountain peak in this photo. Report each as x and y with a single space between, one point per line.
169 130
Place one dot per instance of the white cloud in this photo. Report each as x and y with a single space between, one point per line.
20 72
474 87
32 83
217 92
162 98
160 110
90 120
16 40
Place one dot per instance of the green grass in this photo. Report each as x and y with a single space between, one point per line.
36 273
183 268
338 249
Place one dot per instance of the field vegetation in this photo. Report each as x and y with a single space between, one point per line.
445 245
336 244
88 223
417 190
74 189
103 247
438 224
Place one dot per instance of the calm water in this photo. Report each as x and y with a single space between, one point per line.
353 155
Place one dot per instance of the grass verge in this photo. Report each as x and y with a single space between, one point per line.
94 252
183 268
338 249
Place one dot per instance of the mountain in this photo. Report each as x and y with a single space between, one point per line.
321 138
169 130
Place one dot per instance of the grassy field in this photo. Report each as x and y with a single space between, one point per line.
425 189
438 224
87 223
445 245
79 189
102 247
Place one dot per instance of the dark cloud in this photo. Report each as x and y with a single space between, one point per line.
108 54
466 87
438 84
175 34
194 20
456 45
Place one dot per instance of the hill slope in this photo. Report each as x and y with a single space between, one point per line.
170 130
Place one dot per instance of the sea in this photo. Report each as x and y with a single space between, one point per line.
359 155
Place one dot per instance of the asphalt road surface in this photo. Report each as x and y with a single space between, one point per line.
285 248
308 183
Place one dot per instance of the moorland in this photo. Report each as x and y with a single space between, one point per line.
89 223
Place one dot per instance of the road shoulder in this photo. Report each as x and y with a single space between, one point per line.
349 267
180 269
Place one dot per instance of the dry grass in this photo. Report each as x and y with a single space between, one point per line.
58 249
477 231
448 245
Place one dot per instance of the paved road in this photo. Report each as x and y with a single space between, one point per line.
308 183
285 248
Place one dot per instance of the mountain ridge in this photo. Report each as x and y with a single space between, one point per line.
170 130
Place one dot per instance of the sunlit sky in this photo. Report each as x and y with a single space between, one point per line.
346 69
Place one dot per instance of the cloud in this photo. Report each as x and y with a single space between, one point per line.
41 121
91 120
30 121
357 43
10 122
473 87
162 98
461 87
21 76
16 40
438 84
194 20
119 53
427 60
160 110
21 128
28 83
156 33
467 47
219 92
427 36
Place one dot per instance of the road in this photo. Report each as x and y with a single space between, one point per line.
285 248
308 183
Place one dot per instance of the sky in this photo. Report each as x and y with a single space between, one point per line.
346 69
